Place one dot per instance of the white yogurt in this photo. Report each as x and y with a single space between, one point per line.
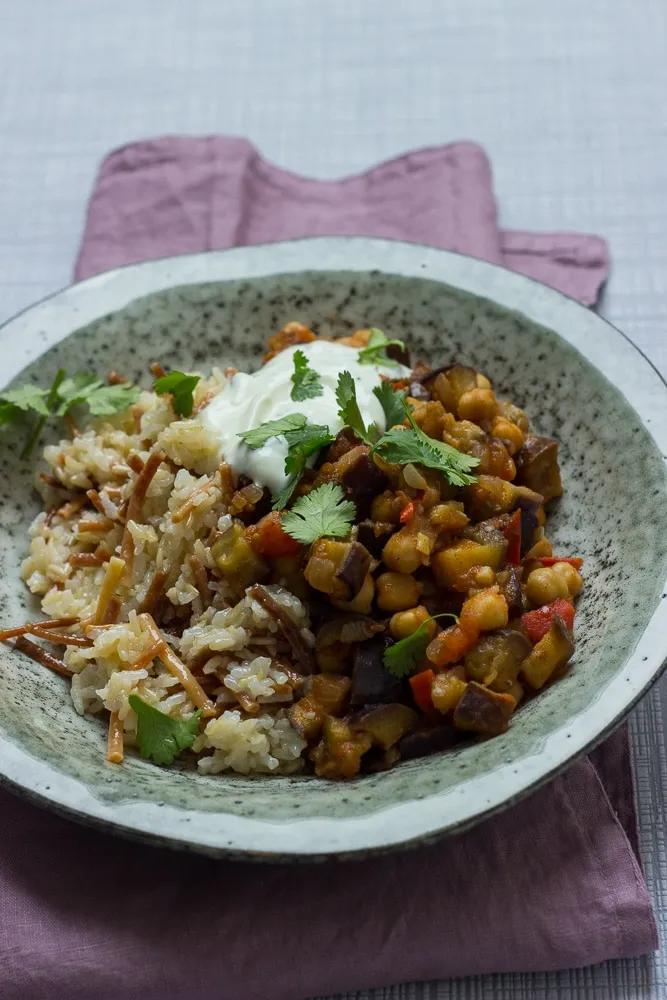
246 401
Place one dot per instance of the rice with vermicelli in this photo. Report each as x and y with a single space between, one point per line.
233 645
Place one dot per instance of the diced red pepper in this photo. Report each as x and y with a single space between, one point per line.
537 623
575 561
268 538
421 690
407 513
512 533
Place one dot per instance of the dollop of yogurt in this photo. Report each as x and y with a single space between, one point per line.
246 401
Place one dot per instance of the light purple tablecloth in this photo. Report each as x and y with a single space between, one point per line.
552 883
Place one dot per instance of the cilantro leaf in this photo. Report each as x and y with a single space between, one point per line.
181 387
28 397
306 382
325 511
100 398
159 737
375 352
301 444
62 396
404 656
402 446
272 428
392 402
349 412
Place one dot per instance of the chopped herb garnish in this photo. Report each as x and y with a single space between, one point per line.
402 446
392 402
306 382
258 437
301 444
349 412
375 352
404 656
63 396
181 387
159 737
324 512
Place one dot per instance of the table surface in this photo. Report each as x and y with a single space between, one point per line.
568 99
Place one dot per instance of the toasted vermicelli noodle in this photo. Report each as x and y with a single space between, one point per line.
135 545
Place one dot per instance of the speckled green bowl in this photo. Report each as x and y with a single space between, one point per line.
586 385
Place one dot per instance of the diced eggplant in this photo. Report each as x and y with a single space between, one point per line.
497 658
339 753
529 503
486 533
483 711
307 718
400 353
490 496
550 654
353 569
371 683
377 759
422 742
509 581
362 480
386 724
537 466
345 441
329 691
373 535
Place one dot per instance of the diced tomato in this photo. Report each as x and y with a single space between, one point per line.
421 690
575 561
407 513
268 538
537 623
512 533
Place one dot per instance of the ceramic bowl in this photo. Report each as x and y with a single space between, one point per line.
579 379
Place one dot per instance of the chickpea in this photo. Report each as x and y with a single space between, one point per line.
404 623
484 611
397 591
544 586
513 413
570 576
511 435
482 381
401 554
483 576
387 507
477 405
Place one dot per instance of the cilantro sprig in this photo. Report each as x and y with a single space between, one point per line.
375 352
402 445
404 656
392 402
349 412
258 436
325 512
301 444
159 737
180 386
63 395
306 382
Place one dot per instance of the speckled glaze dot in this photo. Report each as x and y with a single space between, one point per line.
613 514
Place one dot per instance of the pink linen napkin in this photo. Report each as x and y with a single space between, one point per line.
551 883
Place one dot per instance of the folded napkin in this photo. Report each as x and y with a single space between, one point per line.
551 883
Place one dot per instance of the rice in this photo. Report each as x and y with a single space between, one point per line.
209 620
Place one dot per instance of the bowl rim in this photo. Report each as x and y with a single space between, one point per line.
32 331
